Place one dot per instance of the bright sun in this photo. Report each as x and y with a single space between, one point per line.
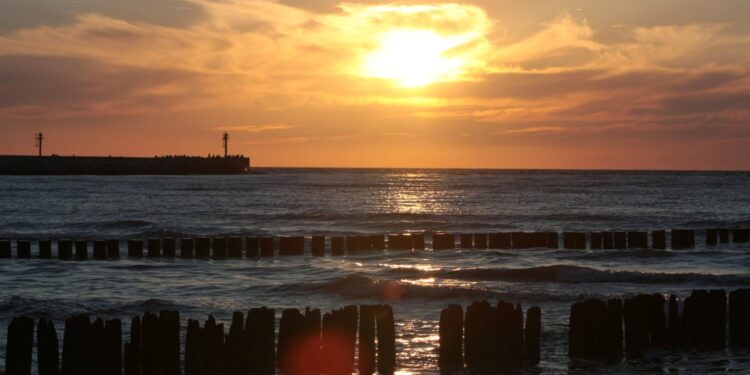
413 57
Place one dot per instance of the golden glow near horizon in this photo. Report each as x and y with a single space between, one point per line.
414 58
533 84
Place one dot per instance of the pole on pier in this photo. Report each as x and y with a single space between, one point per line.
39 139
450 357
225 139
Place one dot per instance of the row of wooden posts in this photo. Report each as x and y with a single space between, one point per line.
596 326
234 247
308 343
488 337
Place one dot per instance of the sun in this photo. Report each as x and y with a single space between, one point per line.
414 57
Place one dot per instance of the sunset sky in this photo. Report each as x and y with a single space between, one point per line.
488 84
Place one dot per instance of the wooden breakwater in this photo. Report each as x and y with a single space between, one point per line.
267 246
488 337
600 329
306 343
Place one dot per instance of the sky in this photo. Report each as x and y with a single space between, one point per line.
570 84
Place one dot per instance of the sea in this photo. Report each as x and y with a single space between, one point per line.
417 284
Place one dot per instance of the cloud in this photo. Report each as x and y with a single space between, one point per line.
259 128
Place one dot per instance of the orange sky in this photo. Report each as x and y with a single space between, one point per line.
486 84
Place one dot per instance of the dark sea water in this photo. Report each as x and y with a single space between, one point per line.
417 284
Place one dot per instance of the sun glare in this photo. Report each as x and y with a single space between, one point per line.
414 58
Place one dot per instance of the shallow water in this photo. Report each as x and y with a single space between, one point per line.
416 284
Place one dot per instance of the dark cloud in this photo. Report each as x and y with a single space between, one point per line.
50 84
16 14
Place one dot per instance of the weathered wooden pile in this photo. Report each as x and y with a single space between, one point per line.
488 337
596 326
308 343
252 247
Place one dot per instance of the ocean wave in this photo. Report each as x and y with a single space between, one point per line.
563 273
362 287
57 308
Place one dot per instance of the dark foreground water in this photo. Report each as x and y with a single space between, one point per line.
417 284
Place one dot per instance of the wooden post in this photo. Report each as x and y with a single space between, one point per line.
76 341
169 247
252 247
612 334
351 244
418 241
47 352
478 355
553 242
377 241
169 342
235 345
366 352
337 246
266 246
586 329
260 341
298 245
151 345
520 240
45 249
5 249
386 332
596 240
724 235
234 247
539 240
503 331
220 247
290 326
504 241
659 240
112 347
739 318
620 241
741 235
717 318
683 239
318 246
674 329
193 348
533 335
443 241
450 358
154 247
134 349
608 240
135 248
95 348
480 241
202 247
23 249
637 240
712 236
100 250
113 249
82 251
20 342
285 250
645 323
187 247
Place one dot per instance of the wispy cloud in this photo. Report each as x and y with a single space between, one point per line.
257 128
